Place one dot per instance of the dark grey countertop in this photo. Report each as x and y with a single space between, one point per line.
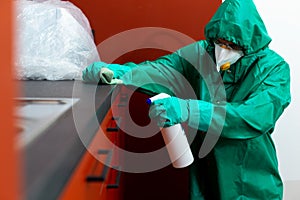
51 158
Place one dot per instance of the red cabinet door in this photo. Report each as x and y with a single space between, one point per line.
93 178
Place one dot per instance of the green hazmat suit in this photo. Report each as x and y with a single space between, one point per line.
240 105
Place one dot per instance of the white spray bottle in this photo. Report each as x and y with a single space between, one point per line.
175 140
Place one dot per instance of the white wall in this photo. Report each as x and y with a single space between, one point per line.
282 21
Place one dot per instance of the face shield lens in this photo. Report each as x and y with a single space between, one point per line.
229 46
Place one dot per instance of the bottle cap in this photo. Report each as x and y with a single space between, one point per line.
148 101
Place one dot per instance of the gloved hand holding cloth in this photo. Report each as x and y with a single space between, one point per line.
104 73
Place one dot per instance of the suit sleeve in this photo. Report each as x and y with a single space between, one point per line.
255 115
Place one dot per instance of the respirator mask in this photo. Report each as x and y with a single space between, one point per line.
226 57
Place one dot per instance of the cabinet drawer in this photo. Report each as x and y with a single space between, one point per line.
94 179
81 185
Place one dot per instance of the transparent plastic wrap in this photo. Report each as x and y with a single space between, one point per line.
54 40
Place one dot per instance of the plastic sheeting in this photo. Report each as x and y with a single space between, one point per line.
54 40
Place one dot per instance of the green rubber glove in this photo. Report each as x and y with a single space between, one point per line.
95 73
169 111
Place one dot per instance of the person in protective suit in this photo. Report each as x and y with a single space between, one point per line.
239 99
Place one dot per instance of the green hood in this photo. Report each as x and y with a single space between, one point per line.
239 22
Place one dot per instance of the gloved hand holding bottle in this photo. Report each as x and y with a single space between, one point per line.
170 111
174 136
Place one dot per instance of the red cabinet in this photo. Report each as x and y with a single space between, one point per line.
165 183
94 177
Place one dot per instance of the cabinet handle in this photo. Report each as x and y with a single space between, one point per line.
118 177
103 175
122 105
116 128
123 100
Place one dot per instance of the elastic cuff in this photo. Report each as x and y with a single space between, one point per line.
200 114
